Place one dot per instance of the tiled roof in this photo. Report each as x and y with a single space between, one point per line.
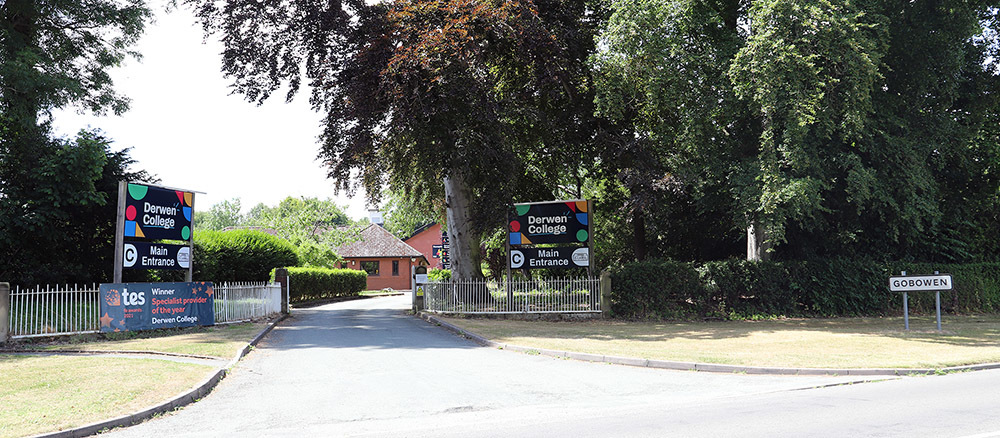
377 242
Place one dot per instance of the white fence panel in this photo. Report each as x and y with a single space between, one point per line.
71 310
237 302
560 295
54 311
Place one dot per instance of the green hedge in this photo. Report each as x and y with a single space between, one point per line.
739 289
657 288
313 283
239 255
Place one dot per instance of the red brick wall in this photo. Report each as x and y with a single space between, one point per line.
422 242
385 278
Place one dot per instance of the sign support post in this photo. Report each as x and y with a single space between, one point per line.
507 287
937 304
543 223
189 275
906 313
906 308
155 213
590 235
120 233
931 283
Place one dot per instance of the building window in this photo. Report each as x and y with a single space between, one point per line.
395 268
371 268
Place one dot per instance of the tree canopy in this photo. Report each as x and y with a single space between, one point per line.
704 128
825 128
57 195
461 95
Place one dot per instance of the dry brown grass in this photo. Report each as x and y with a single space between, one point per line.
819 343
220 341
50 393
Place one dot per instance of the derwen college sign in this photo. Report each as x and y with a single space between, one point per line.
551 222
158 213
555 222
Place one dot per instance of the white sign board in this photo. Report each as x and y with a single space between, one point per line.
920 282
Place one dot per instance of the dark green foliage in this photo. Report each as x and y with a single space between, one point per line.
657 288
57 196
835 129
60 228
839 287
491 98
313 283
740 289
239 255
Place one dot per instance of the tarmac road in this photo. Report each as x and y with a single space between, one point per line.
367 368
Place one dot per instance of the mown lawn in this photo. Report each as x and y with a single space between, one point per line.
814 343
40 394
220 341
51 393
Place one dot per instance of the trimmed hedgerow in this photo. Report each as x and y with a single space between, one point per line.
239 255
314 283
739 289
657 288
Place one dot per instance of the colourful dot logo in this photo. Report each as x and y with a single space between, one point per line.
549 222
158 213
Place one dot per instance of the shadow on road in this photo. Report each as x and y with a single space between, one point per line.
378 323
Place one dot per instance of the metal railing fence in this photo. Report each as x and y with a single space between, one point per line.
54 311
562 295
237 302
71 310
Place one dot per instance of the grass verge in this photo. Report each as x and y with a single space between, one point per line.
812 343
51 393
220 341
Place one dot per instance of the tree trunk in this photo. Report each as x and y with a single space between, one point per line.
464 251
758 245
639 235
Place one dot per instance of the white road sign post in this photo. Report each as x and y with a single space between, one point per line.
937 283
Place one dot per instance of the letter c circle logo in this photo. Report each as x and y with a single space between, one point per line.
516 259
131 255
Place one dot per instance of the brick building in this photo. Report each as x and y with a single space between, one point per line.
428 240
386 258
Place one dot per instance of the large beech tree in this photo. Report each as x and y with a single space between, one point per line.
818 128
461 94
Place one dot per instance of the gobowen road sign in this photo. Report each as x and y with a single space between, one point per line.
920 282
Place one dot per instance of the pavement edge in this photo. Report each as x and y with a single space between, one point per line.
189 397
704 367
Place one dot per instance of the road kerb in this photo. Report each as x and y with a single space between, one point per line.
195 393
705 367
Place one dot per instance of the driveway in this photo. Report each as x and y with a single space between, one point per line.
367 368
